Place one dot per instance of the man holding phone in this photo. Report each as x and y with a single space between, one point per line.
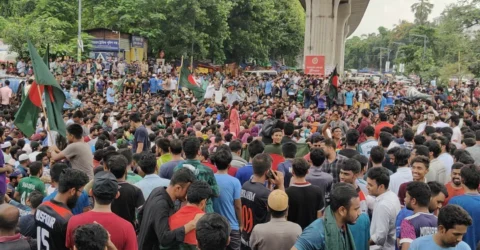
255 194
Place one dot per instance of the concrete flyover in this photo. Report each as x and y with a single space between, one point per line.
328 24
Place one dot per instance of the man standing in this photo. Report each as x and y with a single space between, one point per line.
52 216
151 180
332 159
437 170
266 236
421 223
5 95
316 175
131 197
474 150
110 94
31 183
365 147
191 148
453 222
254 195
305 201
153 217
212 232
77 152
105 190
403 174
386 208
470 201
141 143
228 202
455 188
343 211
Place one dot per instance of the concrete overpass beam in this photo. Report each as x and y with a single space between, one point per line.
343 14
320 29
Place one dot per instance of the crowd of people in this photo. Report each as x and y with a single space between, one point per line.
270 162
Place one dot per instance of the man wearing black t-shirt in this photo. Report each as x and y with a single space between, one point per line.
141 143
52 216
254 195
305 201
131 197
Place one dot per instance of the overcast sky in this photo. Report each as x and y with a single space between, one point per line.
387 13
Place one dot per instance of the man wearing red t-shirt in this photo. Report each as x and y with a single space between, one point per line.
454 188
105 190
383 123
197 195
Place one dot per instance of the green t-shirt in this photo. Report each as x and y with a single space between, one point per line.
28 185
203 173
133 178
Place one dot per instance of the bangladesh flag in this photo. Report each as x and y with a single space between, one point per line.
44 86
186 81
333 86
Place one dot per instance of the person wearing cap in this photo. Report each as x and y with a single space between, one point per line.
4 168
254 194
23 161
333 231
6 146
15 178
105 190
278 233
29 184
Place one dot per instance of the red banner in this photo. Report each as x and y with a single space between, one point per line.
315 65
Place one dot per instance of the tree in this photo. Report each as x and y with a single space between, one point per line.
422 10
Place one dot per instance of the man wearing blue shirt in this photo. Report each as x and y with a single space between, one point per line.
245 173
153 84
452 226
110 94
228 202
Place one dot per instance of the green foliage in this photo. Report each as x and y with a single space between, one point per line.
221 30
450 52
422 9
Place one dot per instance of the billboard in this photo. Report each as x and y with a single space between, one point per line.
315 65
137 41
105 44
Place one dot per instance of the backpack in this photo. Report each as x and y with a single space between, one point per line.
268 126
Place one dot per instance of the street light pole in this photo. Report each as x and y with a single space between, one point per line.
425 39
79 49
381 56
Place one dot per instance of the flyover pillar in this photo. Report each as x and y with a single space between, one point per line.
343 14
321 29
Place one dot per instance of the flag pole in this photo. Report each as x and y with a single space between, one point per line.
45 115
191 64
179 75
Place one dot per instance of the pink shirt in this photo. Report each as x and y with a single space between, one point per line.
5 95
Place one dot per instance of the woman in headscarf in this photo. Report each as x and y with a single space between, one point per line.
234 118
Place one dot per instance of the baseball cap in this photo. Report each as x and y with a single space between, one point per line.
23 157
278 200
105 185
15 173
6 145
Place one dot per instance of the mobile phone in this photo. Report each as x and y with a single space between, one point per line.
270 174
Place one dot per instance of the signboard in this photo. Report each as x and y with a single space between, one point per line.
315 65
105 44
387 66
137 41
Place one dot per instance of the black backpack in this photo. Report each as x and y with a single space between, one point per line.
268 126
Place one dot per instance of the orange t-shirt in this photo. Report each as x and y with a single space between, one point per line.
181 218
452 192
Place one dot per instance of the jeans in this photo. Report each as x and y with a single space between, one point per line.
234 240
